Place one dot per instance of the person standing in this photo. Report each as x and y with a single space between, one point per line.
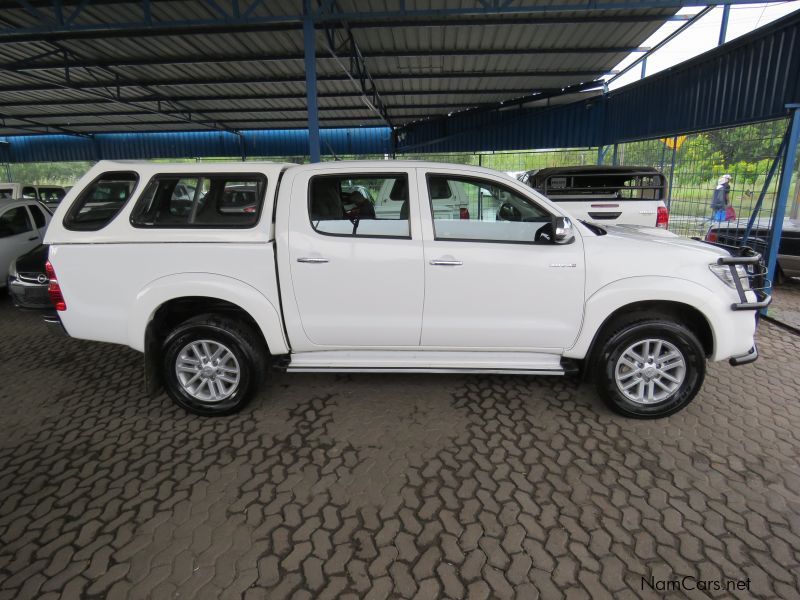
721 198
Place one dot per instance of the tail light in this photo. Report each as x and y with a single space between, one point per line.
463 212
662 217
249 209
711 236
53 289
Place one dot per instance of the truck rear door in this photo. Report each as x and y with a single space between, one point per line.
356 273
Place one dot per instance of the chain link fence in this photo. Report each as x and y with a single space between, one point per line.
693 164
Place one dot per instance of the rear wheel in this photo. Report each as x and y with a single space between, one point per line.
650 368
213 364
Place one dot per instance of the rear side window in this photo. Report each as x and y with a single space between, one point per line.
200 200
360 205
29 193
38 216
101 201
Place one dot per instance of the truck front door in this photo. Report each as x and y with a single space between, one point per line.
489 285
357 274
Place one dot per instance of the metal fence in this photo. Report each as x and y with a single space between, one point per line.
692 163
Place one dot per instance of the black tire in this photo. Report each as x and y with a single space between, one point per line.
629 332
780 276
243 342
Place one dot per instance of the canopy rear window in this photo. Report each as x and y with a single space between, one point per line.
613 186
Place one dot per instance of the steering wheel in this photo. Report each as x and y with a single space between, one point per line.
544 233
508 212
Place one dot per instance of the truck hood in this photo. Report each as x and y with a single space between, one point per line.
654 235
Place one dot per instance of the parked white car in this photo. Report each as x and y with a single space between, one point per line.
50 195
213 297
22 227
606 195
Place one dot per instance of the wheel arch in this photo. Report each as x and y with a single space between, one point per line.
682 300
166 301
681 312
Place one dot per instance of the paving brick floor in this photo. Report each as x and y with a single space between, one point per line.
388 486
785 306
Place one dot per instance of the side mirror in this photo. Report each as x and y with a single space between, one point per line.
562 230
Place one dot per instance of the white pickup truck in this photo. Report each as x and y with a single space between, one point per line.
606 195
214 293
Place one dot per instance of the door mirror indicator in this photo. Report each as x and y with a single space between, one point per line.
563 231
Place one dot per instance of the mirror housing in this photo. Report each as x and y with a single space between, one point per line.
563 232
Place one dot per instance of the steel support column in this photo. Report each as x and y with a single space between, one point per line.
310 53
790 152
672 170
723 26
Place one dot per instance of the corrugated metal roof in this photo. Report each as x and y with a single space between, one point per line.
182 77
750 79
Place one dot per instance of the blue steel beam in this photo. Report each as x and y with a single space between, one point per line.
764 189
723 26
310 50
133 101
790 152
131 82
39 62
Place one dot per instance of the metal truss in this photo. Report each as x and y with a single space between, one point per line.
62 19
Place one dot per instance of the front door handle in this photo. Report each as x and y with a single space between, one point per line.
312 259
446 263
36 237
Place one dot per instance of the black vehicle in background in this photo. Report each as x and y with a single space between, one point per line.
28 281
731 233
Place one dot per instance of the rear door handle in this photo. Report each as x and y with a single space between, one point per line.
36 237
312 259
446 263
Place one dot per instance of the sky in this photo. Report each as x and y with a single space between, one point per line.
701 36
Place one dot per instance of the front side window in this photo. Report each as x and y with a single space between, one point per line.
363 205
472 209
14 221
211 201
101 201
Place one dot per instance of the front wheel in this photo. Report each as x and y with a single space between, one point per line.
650 369
212 365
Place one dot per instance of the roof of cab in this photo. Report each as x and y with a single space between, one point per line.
186 167
5 203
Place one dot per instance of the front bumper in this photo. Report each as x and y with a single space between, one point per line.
757 283
744 359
